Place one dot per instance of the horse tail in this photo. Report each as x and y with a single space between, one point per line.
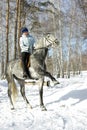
14 90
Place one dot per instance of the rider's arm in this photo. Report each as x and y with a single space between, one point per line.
32 43
24 47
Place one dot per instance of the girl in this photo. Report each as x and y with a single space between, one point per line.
27 45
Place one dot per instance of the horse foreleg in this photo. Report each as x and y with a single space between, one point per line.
43 108
51 77
22 90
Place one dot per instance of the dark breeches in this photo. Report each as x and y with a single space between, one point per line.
25 59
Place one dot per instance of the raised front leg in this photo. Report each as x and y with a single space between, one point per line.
43 72
51 77
41 82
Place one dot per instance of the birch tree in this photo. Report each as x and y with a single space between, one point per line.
60 40
1 42
72 12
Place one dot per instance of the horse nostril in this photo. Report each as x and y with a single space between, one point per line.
57 42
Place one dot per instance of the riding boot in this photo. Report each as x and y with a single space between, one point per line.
28 73
25 75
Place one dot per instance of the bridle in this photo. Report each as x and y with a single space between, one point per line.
48 40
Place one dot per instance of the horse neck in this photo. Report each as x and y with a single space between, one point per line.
40 43
40 54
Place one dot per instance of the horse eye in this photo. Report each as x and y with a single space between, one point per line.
48 36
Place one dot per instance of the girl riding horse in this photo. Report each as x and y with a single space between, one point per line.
27 45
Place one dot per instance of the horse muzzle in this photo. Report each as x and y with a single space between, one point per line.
56 42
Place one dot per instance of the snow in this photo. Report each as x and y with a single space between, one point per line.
66 105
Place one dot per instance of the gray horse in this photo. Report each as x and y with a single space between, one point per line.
37 70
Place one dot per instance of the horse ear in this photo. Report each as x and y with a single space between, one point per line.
46 33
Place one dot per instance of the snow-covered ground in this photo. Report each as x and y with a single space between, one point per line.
66 105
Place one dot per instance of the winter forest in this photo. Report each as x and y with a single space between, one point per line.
66 19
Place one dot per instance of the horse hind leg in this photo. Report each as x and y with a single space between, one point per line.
22 90
12 93
41 82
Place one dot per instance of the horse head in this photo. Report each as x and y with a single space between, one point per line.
47 41
51 40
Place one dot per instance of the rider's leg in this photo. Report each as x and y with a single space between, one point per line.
24 64
28 65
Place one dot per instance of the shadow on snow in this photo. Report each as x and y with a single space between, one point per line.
81 95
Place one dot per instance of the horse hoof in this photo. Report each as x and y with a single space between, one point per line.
29 106
58 82
55 83
12 108
48 83
43 108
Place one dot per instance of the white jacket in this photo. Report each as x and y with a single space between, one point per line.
27 43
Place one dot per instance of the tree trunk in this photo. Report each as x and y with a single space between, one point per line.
19 26
7 33
1 45
69 53
60 39
72 13
23 14
15 31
